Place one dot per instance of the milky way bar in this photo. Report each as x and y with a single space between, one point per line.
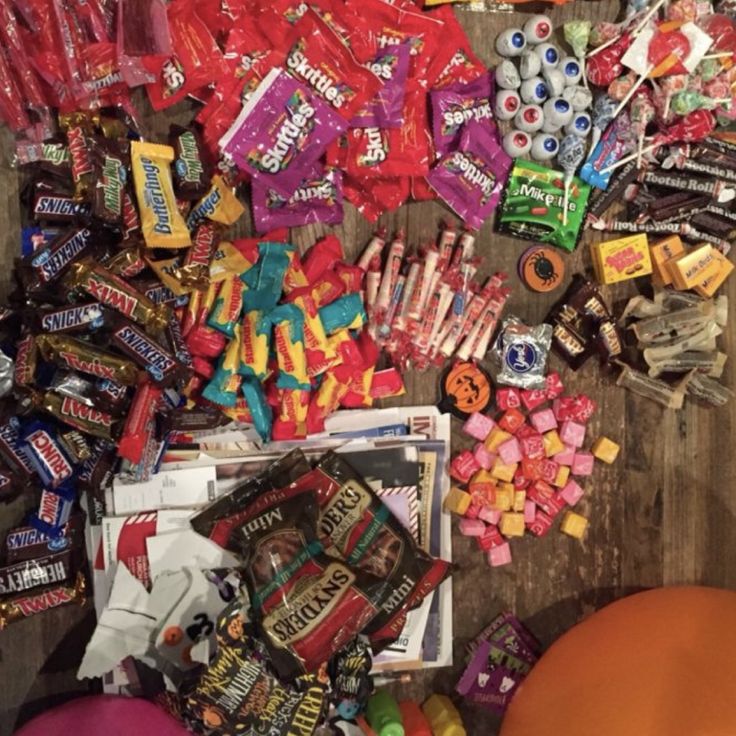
29 574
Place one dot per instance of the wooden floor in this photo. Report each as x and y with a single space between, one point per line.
663 515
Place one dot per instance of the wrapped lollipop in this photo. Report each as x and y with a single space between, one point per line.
692 128
709 69
603 109
620 87
577 35
642 113
602 33
570 156
669 86
719 87
688 101
605 66
681 10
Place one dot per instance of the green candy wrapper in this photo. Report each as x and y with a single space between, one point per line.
533 201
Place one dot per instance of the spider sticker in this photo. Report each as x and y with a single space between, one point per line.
541 269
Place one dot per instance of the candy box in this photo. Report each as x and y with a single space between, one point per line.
533 202
621 259
663 251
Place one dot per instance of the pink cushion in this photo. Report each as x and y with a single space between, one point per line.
105 714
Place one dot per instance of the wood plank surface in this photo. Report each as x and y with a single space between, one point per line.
662 515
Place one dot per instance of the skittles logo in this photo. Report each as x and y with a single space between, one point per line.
465 388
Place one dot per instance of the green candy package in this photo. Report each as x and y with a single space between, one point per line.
532 207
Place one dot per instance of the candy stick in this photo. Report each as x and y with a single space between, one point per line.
410 287
421 340
455 320
373 249
650 13
422 292
372 281
490 321
391 271
385 329
446 302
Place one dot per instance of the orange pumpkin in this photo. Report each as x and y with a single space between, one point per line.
466 388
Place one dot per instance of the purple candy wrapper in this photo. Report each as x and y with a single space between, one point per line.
386 110
455 106
470 179
317 199
281 132
499 663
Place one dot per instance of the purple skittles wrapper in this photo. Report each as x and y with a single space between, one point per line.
281 132
386 109
318 199
470 179
455 106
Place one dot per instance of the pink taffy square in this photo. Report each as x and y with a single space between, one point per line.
533 399
572 433
483 456
554 386
472 527
565 457
583 463
478 426
530 510
498 556
510 451
571 493
489 515
543 420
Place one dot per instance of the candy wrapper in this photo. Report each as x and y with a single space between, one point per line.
391 66
318 199
238 693
281 132
454 106
522 353
471 179
533 202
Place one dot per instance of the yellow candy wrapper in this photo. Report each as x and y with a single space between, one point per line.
255 343
228 261
294 278
288 336
161 223
225 315
320 355
165 271
219 205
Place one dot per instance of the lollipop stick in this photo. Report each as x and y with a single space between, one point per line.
633 89
603 46
721 55
565 202
624 161
648 17
667 103
638 149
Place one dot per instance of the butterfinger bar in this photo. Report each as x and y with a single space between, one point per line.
25 606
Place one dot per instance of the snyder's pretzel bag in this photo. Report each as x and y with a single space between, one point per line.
307 604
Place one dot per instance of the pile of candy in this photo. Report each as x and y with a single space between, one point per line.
548 84
518 476
322 572
676 336
428 307
314 103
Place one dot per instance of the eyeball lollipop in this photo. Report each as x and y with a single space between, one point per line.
579 97
534 91
555 80
517 143
548 54
530 118
507 104
544 147
580 125
510 42
557 111
529 64
506 75
571 69
538 29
